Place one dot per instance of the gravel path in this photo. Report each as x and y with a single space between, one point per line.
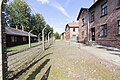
65 62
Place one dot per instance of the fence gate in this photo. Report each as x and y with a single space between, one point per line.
3 53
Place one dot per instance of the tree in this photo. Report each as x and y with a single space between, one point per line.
20 13
38 23
56 35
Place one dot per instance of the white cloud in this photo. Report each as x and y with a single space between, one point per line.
44 1
60 8
56 5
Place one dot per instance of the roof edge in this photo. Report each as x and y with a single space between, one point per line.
81 12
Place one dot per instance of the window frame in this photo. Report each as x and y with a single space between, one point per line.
103 30
92 16
118 27
83 22
24 39
13 39
118 4
104 9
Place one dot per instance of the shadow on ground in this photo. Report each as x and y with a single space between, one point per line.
115 54
33 75
27 68
46 75
108 49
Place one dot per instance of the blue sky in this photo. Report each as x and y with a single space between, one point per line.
58 13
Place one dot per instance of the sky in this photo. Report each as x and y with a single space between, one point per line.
58 13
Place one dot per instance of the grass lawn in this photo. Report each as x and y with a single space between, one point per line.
73 41
21 46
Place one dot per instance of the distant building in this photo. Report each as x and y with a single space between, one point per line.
17 37
71 31
62 36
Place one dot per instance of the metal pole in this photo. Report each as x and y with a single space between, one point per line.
49 38
29 39
43 44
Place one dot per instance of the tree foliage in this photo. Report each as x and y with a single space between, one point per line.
57 35
20 15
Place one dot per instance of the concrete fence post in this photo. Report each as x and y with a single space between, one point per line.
29 38
43 44
49 38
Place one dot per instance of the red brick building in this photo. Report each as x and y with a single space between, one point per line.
71 31
105 22
83 25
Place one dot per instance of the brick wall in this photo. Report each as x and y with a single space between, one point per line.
112 39
83 29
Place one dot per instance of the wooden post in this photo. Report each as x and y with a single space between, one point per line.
3 53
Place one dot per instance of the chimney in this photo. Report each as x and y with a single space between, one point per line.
22 28
94 1
16 27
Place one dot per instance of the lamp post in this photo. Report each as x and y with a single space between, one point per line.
49 38
43 44
29 38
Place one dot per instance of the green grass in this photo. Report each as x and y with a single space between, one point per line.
73 41
20 46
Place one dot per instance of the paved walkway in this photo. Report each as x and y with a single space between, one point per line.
107 53
66 62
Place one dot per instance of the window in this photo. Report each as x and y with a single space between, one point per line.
118 27
83 22
118 3
103 32
13 39
104 9
73 29
24 38
92 16
35 39
82 34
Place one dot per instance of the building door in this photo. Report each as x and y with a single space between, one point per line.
93 33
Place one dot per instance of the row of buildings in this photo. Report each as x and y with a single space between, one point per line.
100 23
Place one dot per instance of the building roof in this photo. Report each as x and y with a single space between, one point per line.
97 1
13 31
81 12
62 33
73 24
